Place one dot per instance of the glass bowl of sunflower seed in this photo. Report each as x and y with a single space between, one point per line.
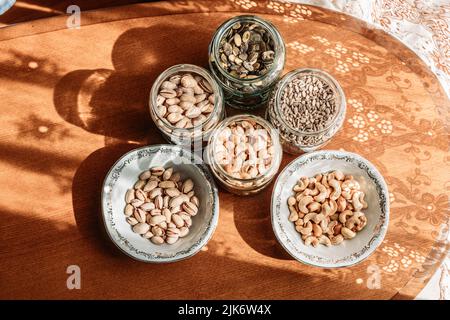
246 57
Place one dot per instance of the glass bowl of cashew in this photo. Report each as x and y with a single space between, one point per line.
330 208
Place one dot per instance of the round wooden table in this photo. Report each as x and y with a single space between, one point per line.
74 100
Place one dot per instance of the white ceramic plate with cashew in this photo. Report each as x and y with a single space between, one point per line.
124 174
351 251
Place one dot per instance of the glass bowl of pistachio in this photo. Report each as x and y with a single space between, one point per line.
246 57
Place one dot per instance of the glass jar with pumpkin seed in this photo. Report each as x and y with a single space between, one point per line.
246 57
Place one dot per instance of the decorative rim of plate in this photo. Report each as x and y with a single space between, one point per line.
122 242
381 226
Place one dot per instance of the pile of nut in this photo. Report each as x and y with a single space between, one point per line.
326 209
185 100
244 149
247 50
160 207
308 103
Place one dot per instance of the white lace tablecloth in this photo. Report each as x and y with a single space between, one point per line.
423 25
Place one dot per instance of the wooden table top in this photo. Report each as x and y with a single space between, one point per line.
74 100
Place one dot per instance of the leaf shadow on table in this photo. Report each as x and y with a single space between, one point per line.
114 102
32 159
20 67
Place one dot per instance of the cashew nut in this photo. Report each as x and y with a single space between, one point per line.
324 180
314 206
326 209
324 225
317 231
341 204
312 183
358 201
361 199
335 184
313 192
322 192
347 233
303 203
362 223
325 240
309 216
312 241
337 229
331 226
329 208
301 185
291 201
304 193
343 216
330 176
338 175
350 184
337 239
333 206
318 217
334 217
293 216
353 220
306 230
347 194
355 201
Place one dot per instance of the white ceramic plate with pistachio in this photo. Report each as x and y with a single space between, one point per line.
350 251
124 175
